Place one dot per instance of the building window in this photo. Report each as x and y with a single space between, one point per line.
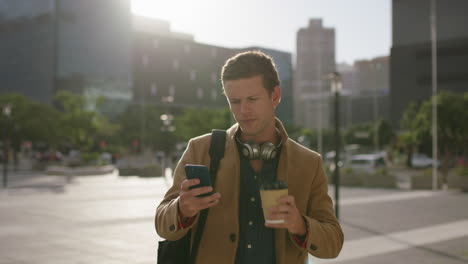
154 89
187 48
214 52
200 93
214 78
145 60
175 64
193 75
156 43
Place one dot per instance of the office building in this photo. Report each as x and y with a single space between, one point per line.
315 60
410 62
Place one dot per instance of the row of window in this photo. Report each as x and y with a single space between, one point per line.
172 90
176 66
187 48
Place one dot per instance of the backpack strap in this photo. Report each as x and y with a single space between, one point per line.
218 142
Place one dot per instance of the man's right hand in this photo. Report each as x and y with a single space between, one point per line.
189 204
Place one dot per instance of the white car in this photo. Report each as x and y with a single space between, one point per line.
367 162
422 161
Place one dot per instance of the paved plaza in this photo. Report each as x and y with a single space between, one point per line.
109 219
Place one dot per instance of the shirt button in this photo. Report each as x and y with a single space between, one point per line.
249 246
252 199
233 237
250 223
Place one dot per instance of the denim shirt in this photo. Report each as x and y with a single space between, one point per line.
256 242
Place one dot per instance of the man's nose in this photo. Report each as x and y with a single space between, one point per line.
244 107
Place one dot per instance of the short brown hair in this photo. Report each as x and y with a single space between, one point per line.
250 64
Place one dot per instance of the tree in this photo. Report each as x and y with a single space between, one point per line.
361 134
452 129
364 134
195 122
29 120
410 139
77 124
385 133
143 124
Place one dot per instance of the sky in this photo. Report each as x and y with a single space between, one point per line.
362 27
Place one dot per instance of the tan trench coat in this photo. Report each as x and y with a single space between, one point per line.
300 167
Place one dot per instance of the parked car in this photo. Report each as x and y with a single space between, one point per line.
422 161
367 162
49 156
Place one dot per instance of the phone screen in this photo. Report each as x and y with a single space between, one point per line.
199 172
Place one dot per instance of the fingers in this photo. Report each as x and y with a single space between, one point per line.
190 205
186 184
209 201
287 199
285 210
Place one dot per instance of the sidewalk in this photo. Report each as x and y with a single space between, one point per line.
110 219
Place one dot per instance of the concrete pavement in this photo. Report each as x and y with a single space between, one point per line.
109 219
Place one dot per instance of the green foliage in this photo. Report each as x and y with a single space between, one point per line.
356 134
309 138
77 124
385 133
451 130
29 120
461 171
144 124
90 157
452 111
195 122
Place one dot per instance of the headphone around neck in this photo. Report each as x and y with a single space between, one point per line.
255 151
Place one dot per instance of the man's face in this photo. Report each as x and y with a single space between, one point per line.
252 106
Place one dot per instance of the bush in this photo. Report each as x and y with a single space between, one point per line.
90 158
152 170
379 179
461 171
458 178
423 180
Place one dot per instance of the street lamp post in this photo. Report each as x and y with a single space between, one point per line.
434 91
167 127
336 87
6 113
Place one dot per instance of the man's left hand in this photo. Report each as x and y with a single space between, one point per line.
287 210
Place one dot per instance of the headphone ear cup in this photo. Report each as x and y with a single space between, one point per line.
251 151
255 151
268 151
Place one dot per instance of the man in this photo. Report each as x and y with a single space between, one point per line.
235 231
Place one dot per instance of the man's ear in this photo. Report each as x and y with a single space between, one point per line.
276 96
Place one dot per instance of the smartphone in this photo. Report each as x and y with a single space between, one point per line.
199 172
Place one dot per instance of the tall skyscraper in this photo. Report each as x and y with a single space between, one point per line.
315 60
